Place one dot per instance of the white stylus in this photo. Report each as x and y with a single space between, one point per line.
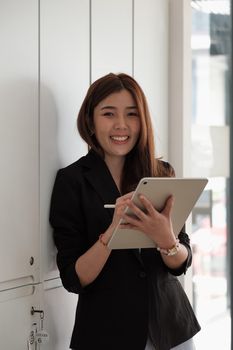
111 206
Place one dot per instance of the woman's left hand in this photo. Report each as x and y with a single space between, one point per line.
156 225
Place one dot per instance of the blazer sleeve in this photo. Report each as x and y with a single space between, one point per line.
168 170
68 228
185 240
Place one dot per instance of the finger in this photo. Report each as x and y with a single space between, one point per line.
168 206
120 208
118 214
126 225
136 210
124 198
127 196
131 221
148 205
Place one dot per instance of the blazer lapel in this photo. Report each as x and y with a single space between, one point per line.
100 178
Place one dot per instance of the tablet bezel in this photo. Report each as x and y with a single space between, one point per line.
186 192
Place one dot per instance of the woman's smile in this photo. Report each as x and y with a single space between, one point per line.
117 124
119 139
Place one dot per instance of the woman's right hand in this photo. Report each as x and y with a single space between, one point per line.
89 265
120 207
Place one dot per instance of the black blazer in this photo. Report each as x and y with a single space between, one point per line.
133 291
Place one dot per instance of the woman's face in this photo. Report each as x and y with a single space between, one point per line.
117 124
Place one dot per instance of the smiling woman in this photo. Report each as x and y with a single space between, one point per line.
116 128
102 93
125 296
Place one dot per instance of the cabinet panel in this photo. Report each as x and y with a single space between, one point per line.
64 79
151 23
16 321
59 324
19 139
111 37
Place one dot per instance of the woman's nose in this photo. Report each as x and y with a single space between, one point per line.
120 122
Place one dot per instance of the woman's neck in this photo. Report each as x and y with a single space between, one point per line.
115 166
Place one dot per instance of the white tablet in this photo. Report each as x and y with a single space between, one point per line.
186 192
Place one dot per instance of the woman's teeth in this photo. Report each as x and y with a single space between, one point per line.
119 138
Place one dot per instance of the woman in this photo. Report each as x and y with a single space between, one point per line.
128 299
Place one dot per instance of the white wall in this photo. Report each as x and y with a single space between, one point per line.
19 190
50 52
151 62
64 79
19 151
111 37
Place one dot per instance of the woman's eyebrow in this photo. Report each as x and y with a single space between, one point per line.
113 107
132 107
108 107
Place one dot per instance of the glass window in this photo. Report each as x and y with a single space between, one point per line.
211 47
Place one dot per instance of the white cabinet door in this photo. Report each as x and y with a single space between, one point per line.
111 37
16 321
151 34
64 79
19 153
59 317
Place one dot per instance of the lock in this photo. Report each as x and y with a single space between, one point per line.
42 336
34 311
32 337
37 335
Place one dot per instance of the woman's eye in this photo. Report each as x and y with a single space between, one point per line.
133 114
108 114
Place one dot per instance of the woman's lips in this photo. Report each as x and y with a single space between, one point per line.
119 139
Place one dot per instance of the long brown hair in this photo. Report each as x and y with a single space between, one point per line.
141 161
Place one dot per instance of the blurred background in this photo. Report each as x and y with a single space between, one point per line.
211 113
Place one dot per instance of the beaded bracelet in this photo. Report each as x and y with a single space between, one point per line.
171 251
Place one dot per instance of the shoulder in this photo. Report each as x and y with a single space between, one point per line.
89 161
165 169
72 169
75 170
76 174
67 185
68 179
